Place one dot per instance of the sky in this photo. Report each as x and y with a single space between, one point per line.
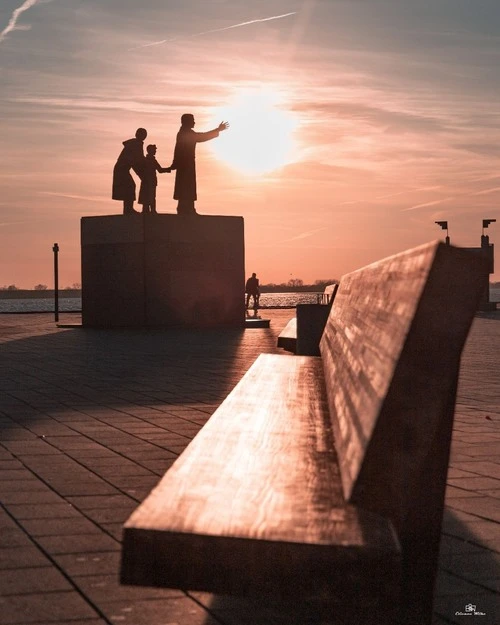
355 124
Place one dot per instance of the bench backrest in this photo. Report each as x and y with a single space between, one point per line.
328 294
391 352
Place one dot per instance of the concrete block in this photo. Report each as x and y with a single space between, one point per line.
162 270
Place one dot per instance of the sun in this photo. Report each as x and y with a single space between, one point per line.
261 134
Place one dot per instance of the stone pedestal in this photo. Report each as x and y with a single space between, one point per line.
162 270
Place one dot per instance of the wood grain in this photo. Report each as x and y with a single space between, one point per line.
258 492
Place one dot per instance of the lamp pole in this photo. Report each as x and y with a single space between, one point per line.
444 226
55 249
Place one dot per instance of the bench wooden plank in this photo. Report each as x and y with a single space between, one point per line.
287 338
391 370
258 485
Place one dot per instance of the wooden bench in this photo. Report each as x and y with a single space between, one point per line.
325 476
303 332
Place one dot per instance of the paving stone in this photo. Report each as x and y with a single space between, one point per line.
31 484
72 442
152 453
473 566
107 472
29 581
78 543
37 447
475 483
452 584
111 515
107 588
72 622
50 606
452 492
13 537
170 611
486 507
241 611
42 511
92 487
127 481
101 501
158 466
100 452
484 468
59 527
22 557
31 497
15 475
6 465
75 564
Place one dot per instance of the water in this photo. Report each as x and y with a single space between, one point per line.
74 304
42 304
267 300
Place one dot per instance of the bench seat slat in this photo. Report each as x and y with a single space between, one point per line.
259 483
287 338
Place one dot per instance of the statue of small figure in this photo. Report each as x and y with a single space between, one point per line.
252 289
149 180
131 157
184 162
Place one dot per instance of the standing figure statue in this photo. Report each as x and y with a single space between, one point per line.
184 162
131 157
149 181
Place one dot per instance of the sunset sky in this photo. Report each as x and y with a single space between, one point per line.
355 124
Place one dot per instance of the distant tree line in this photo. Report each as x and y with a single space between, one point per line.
297 284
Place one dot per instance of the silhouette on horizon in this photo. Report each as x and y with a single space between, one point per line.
149 180
131 157
184 162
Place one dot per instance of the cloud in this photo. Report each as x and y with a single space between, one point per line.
215 30
86 198
305 235
12 25
426 204
487 191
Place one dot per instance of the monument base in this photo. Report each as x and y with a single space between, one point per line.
162 270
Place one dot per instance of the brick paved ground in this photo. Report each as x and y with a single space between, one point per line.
90 420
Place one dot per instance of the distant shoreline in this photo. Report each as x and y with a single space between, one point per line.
76 293
49 293
32 294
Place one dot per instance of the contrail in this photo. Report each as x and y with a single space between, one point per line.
15 16
215 30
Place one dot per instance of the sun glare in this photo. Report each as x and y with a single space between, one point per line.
260 138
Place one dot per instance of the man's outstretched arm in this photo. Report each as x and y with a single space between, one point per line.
211 134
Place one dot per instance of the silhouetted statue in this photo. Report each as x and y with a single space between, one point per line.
252 290
184 162
131 157
149 180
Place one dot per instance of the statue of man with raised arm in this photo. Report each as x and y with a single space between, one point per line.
184 162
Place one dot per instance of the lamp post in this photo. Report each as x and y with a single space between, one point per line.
486 223
55 249
444 226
